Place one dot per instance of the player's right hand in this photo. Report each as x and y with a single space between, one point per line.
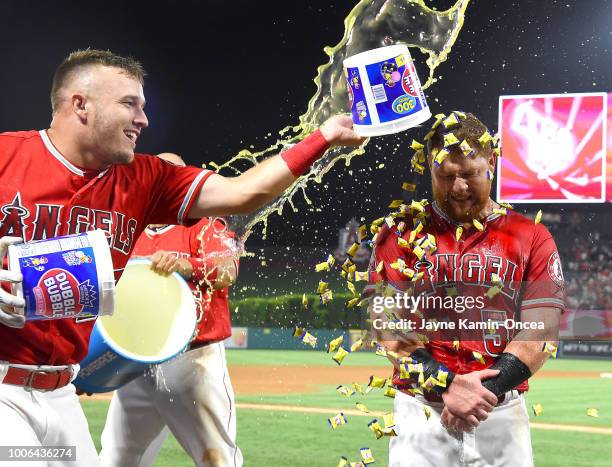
338 131
11 306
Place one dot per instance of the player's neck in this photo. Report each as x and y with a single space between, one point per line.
71 149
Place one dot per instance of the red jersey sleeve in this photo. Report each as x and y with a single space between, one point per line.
386 250
176 189
543 280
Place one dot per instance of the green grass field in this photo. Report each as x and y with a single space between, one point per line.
278 438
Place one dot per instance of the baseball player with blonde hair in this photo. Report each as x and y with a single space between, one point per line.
460 399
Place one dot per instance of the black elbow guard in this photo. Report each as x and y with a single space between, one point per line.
512 372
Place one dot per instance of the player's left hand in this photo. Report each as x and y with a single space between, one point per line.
467 399
165 263
338 131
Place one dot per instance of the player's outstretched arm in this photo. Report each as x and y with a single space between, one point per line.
265 181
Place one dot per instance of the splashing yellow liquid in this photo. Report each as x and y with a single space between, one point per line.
371 24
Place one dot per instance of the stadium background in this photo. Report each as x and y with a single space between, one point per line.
226 77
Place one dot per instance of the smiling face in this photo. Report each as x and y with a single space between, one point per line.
460 184
115 114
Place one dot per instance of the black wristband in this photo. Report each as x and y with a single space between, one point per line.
431 368
512 372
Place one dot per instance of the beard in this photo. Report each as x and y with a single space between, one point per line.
462 210
112 146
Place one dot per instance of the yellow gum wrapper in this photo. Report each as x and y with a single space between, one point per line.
298 332
399 265
352 288
478 356
347 264
335 343
340 355
366 455
327 297
390 392
403 243
418 276
389 431
429 384
441 156
477 224
451 121
592 412
357 387
427 412
390 221
441 378
362 407
408 186
507 205
538 217
493 291
379 267
377 382
376 428
343 462
343 274
450 140
417 206
485 138
322 287
337 420
401 227
415 145
458 233
497 152
456 345
418 251
500 211
356 345
466 148
428 136
404 373
550 348
396 203
345 391
459 114
309 339
353 249
304 301
418 168
537 409
388 420
362 276
320 267
363 232
392 354
380 351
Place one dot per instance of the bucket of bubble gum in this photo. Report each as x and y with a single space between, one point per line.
65 277
384 90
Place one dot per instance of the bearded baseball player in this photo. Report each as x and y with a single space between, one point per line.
190 395
460 391
82 174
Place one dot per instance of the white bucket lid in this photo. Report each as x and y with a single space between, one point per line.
375 55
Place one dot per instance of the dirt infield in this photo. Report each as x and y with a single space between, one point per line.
300 379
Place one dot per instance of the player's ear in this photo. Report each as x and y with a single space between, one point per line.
80 106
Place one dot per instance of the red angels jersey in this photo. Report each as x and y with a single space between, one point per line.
184 242
43 195
521 253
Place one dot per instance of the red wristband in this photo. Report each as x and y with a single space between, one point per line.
301 156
